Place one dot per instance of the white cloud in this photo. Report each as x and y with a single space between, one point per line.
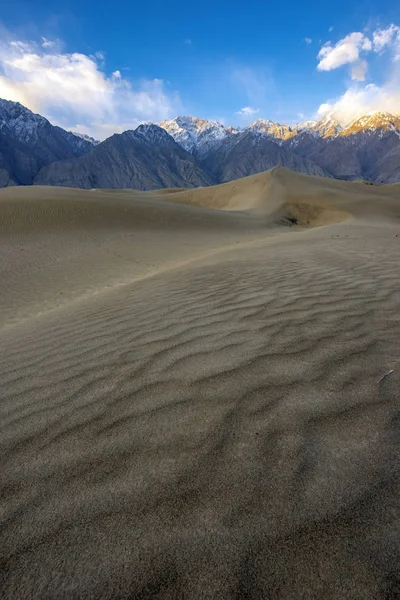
349 49
308 40
346 51
330 28
360 99
47 43
247 111
384 37
72 88
388 38
358 70
324 110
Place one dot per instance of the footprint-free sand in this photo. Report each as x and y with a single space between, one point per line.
200 391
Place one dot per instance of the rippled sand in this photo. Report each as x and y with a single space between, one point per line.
200 403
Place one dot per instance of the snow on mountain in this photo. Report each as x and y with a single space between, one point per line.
80 143
85 137
196 135
377 122
151 133
261 125
326 128
275 131
20 121
27 127
304 126
30 142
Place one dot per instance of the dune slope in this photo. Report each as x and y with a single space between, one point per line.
199 391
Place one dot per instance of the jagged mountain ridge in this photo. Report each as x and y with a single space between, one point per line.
274 131
28 142
149 158
146 158
191 132
367 148
26 126
195 135
376 122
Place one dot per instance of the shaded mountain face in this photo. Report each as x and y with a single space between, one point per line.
310 136
144 159
28 142
368 148
250 152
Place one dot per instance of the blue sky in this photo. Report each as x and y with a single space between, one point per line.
104 66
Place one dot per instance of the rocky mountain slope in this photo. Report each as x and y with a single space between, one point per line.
368 148
144 159
249 152
28 142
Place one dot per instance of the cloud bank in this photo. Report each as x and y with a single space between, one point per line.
73 90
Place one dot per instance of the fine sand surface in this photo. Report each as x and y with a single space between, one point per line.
200 391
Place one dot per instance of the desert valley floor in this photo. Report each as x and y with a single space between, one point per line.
200 391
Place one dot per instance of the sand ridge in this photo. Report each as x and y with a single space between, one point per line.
218 429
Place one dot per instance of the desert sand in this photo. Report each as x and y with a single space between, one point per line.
200 391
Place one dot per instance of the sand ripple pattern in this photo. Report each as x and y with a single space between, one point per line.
217 431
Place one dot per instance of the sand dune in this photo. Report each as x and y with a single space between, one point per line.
200 391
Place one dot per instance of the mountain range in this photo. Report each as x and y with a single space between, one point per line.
28 142
190 152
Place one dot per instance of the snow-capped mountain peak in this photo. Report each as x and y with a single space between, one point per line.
193 134
273 130
304 126
327 127
262 124
151 133
376 121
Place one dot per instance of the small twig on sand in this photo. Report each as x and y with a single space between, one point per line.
385 375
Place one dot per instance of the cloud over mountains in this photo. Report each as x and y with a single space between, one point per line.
75 91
